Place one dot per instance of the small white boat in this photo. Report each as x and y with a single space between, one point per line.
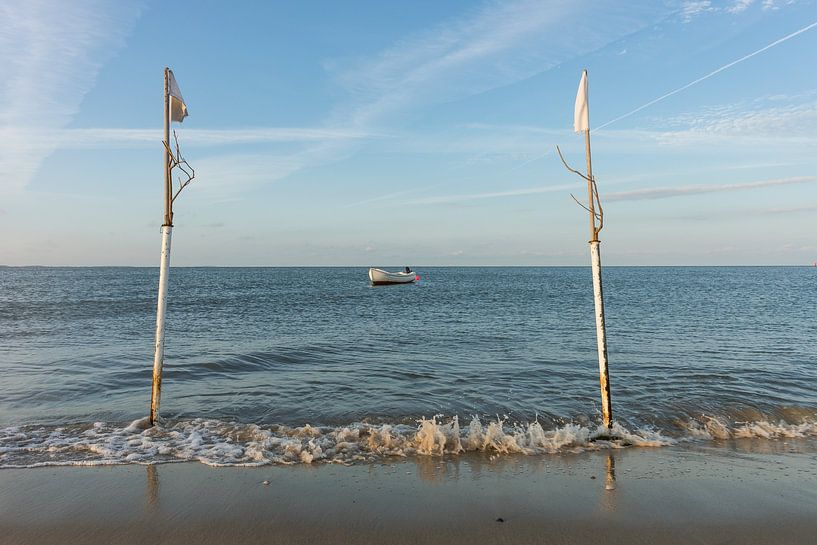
380 277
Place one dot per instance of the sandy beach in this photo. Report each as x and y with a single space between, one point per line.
751 492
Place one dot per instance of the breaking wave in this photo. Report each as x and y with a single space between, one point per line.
219 443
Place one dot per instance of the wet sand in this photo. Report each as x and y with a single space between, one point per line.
751 492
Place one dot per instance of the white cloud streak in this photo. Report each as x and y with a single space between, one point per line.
225 174
692 9
739 6
789 210
446 199
757 119
93 138
637 194
685 191
382 198
50 55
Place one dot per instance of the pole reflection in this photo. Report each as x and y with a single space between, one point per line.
607 499
152 492
610 479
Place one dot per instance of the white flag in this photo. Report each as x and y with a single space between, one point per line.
178 109
581 113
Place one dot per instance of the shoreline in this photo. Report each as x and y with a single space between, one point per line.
748 493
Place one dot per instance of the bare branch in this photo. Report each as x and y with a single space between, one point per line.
568 167
583 206
596 202
600 215
173 161
177 161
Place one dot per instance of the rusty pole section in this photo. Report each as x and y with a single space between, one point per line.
164 267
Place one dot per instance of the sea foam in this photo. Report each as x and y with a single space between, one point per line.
221 443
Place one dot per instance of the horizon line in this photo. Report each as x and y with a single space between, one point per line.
813 264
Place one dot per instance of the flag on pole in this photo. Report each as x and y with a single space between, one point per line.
581 113
178 109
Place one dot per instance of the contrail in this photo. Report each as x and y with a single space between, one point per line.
709 75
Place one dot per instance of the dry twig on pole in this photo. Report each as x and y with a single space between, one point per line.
177 161
598 215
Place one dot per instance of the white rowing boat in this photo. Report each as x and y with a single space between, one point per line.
380 277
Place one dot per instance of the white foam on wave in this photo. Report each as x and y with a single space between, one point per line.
718 428
219 443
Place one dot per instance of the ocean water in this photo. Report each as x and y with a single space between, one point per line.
299 365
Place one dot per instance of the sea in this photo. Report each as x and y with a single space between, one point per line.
314 365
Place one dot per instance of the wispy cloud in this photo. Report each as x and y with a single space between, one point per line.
739 6
492 46
694 8
386 197
684 191
762 117
637 194
229 175
743 213
810 208
93 138
710 74
447 199
221 177
50 55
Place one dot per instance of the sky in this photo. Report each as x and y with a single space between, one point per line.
370 133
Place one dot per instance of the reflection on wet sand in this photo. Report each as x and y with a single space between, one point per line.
608 496
433 469
152 491
610 478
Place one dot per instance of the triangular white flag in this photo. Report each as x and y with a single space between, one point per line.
581 113
178 109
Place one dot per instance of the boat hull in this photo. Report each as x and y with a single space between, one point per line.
379 277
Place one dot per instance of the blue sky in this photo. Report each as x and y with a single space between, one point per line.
387 133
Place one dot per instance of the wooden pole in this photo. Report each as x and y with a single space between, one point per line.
598 298
581 123
168 158
594 234
164 267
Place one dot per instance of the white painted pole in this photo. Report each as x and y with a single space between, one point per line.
159 354
164 268
601 335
